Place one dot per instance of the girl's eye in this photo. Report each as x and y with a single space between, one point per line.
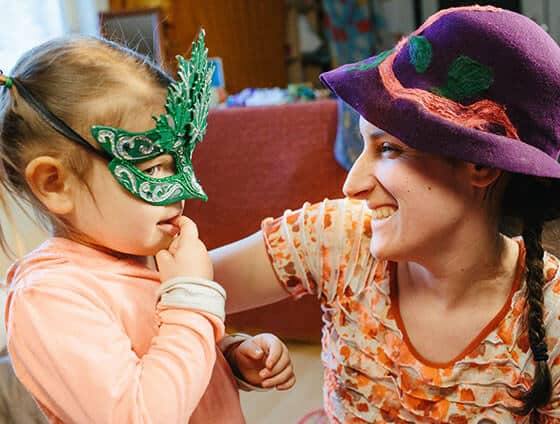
152 170
160 167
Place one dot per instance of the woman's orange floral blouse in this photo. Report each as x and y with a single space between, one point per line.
372 372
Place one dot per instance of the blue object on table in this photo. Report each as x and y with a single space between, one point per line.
240 98
218 79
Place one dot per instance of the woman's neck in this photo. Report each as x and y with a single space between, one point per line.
482 267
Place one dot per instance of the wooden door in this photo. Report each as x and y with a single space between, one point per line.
249 36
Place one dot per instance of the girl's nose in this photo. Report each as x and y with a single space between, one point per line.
360 180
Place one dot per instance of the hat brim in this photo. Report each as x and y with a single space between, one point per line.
420 129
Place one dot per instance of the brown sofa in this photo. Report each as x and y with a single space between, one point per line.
256 162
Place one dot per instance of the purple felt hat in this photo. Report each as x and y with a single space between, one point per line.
476 83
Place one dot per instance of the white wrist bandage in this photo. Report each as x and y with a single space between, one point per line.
194 293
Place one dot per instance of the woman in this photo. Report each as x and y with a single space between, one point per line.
431 312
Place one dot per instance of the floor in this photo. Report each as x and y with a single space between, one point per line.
289 407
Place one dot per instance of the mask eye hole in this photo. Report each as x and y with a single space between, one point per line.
152 171
158 167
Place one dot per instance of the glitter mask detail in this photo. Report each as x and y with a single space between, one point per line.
176 133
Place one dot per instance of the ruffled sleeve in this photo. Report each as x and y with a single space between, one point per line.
321 249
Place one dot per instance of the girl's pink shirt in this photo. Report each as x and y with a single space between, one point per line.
86 339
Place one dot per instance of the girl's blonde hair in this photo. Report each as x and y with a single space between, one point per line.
82 80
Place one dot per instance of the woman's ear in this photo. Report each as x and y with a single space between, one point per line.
51 183
483 176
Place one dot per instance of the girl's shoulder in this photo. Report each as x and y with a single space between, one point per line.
59 261
45 276
45 259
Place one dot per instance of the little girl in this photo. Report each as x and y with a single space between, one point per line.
94 332
431 313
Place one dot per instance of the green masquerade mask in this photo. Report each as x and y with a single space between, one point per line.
175 133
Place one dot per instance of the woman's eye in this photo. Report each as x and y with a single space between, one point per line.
388 148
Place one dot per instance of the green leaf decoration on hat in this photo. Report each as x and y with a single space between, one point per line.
366 66
420 51
466 78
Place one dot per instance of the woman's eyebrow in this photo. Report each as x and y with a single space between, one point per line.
374 136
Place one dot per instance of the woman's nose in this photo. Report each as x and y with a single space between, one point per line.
360 180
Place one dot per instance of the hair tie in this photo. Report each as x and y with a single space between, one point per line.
6 81
540 352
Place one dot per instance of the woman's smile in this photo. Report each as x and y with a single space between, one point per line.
382 213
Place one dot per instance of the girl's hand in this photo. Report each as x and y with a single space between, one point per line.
186 256
264 360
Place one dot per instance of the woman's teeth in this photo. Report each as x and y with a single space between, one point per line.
383 212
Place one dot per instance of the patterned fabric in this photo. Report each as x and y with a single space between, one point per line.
372 373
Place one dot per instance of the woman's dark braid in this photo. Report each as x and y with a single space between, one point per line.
540 392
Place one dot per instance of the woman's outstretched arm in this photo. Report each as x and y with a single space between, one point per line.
244 270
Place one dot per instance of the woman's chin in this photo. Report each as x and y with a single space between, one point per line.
382 252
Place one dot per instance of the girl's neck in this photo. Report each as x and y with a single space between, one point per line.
455 276
147 261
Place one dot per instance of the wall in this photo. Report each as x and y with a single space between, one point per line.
545 12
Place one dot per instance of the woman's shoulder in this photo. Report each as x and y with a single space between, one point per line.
551 267
551 283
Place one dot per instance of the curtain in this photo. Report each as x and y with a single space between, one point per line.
350 33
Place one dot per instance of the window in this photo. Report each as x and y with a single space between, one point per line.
25 24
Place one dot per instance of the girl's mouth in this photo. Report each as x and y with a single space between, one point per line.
169 227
